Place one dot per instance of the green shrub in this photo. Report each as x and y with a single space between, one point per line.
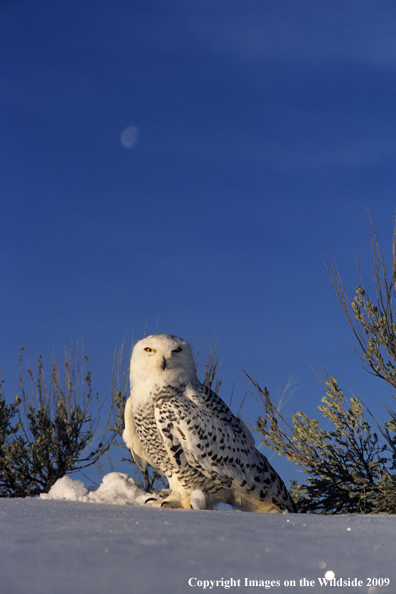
345 464
55 430
350 465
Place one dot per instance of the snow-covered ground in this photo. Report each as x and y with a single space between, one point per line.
106 541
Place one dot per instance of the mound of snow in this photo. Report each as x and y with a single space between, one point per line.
66 488
116 488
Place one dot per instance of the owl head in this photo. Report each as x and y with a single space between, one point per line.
162 358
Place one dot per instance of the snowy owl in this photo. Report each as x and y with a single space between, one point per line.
188 434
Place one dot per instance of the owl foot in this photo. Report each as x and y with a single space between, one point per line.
158 501
170 503
176 503
157 497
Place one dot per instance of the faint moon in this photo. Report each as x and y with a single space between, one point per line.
129 136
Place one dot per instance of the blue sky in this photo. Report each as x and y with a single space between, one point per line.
265 131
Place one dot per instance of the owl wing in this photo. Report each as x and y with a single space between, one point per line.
199 429
132 440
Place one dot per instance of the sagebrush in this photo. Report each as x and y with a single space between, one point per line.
52 429
350 466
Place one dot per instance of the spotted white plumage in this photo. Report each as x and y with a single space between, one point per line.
188 434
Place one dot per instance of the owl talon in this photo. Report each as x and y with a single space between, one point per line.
171 503
151 499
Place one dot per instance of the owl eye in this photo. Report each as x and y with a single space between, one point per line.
177 350
148 350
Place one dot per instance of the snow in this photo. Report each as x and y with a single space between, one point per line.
76 540
116 488
66 488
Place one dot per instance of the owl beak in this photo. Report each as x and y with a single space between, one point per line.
163 365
